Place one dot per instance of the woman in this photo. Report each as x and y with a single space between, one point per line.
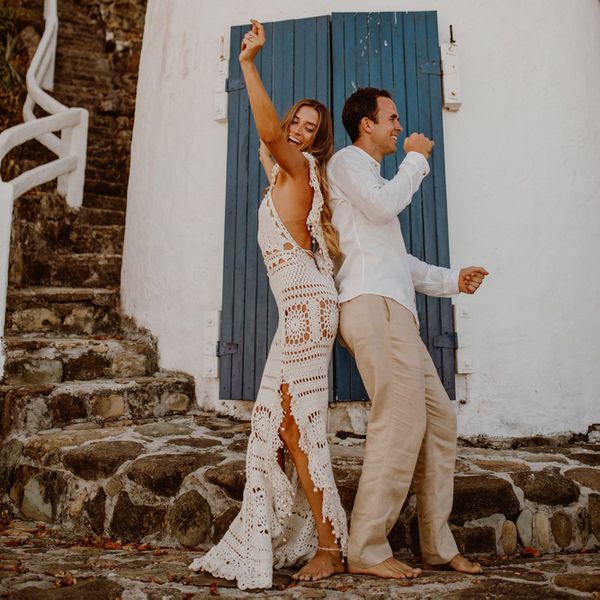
286 518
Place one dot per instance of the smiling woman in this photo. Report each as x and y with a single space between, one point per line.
290 512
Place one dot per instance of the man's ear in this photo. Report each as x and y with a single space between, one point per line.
366 124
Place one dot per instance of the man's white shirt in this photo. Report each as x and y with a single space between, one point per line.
365 207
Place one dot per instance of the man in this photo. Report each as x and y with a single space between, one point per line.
412 426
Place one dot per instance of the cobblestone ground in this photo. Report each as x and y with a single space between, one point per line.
38 563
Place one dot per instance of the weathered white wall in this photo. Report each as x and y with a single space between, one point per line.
523 189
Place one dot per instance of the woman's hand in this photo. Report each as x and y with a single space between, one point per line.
253 41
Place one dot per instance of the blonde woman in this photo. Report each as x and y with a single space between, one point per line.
291 510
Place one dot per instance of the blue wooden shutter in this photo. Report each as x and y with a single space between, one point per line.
294 64
400 52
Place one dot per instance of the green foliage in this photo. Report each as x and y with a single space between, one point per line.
12 60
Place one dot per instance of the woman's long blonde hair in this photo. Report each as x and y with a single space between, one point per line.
321 147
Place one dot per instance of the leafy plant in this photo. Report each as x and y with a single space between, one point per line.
13 60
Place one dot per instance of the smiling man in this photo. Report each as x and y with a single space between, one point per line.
412 426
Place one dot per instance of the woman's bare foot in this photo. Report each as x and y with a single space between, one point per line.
390 568
458 563
323 564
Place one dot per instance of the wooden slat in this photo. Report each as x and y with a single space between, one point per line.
252 312
374 50
225 362
399 93
239 289
310 49
412 124
341 358
323 62
390 164
432 305
441 206
298 67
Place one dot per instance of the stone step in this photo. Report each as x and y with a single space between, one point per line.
106 202
71 270
62 310
74 64
85 93
105 188
40 206
101 129
106 239
99 216
181 480
103 168
29 409
86 71
130 481
34 359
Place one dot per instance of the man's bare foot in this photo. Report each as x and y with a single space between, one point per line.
458 563
390 568
323 564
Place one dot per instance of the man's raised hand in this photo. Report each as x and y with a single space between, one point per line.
253 41
470 278
417 142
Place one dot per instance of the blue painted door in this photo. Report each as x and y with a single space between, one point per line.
396 51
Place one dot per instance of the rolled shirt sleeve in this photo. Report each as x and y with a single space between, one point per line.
379 202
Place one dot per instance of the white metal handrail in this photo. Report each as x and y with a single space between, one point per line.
70 147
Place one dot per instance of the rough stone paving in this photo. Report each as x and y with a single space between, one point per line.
177 482
137 501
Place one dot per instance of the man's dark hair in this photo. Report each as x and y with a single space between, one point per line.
362 103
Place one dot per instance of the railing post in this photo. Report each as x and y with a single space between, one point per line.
47 82
74 143
6 208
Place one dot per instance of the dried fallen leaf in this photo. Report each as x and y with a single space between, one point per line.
14 543
18 569
529 551
159 552
143 547
535 571
63 579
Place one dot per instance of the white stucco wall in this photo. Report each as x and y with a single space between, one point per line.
523 187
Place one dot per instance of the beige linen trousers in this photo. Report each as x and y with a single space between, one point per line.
411 433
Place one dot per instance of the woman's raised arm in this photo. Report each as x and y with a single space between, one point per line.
268 126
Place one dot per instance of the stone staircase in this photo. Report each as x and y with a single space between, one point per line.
76 372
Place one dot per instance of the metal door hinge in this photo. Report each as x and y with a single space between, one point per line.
231 85
226 348
448 340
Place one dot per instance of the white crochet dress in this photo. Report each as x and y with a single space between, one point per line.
275 526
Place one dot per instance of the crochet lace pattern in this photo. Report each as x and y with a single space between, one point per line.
275 526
